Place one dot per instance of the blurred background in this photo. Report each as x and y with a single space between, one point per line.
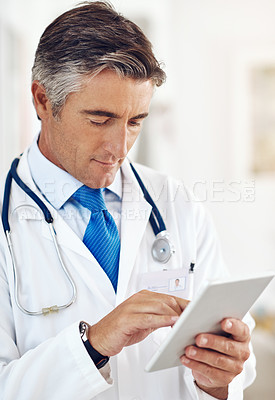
212 124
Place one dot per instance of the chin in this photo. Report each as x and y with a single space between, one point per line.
103 182
108 181
100 176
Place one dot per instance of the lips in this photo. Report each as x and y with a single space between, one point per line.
107 164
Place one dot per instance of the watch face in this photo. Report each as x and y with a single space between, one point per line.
82 328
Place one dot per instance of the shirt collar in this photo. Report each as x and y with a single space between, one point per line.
57 185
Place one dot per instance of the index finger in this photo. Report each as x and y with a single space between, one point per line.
237 328
183 303
177 304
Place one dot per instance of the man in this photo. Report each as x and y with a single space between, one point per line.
93 78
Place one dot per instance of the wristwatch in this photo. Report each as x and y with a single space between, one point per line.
98 359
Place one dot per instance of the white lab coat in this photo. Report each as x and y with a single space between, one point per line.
44 357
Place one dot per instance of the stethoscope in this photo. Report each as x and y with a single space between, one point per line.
162 248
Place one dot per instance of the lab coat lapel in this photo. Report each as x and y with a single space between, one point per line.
135 214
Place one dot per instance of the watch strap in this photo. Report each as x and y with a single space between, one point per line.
98 359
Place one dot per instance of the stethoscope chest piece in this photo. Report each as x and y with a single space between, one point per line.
162 249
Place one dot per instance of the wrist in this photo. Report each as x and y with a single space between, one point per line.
99 359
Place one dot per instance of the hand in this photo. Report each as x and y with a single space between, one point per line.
133 320
216 360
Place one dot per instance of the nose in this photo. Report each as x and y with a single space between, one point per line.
117 142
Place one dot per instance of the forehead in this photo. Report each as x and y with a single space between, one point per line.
109 89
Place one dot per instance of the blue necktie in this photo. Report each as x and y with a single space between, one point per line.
101 235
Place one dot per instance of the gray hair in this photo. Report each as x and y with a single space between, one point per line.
86 40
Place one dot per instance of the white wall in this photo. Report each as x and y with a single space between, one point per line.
221 40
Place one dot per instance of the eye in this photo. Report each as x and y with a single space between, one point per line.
135 123
99 122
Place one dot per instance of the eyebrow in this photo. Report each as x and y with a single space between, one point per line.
103 113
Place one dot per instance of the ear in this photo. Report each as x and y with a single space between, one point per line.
41 101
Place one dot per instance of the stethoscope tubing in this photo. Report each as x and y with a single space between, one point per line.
12 174
155 219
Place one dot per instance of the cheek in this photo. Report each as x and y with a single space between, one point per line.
72 148
83 142
84 152
132 137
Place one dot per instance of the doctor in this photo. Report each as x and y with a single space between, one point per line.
93 78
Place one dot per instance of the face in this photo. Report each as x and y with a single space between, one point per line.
96 128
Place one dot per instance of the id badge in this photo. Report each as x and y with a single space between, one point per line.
176 282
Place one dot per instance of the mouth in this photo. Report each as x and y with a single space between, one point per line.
106 164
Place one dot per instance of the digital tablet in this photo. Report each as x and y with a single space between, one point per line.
231 298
